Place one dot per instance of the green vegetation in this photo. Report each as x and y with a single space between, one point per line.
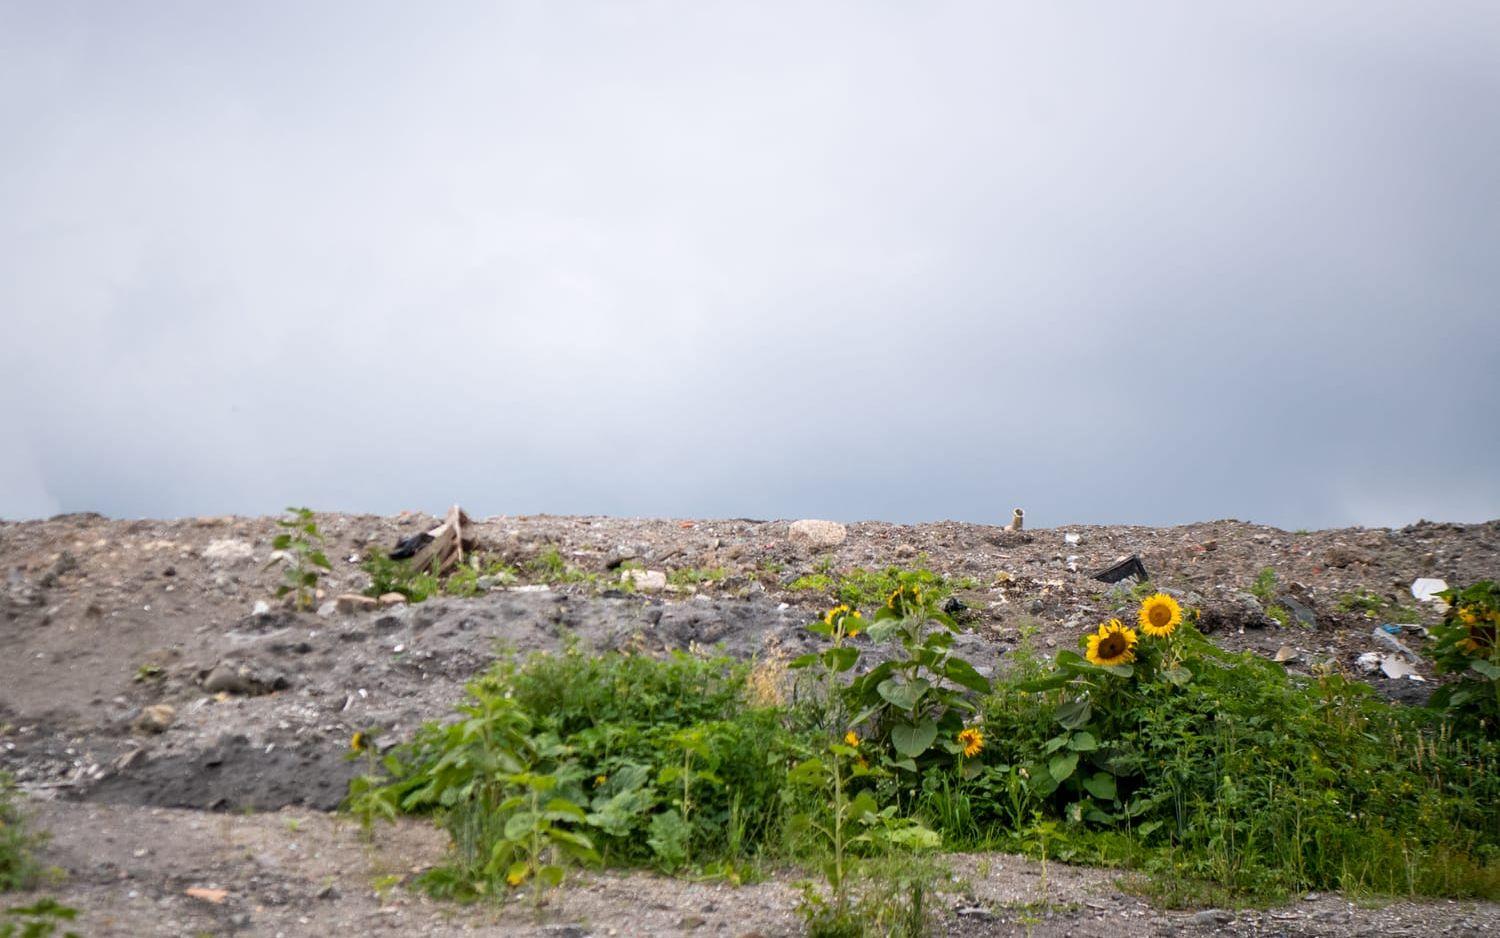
861 588
38 920
1375 606
1467 644
301 546
696 576
475 576
1264 587
1217 776
18 867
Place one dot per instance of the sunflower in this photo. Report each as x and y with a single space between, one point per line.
1113 644
972 739
1160 615
834 613
851 739
359 742
1467 615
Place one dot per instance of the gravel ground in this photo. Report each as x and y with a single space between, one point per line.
170 737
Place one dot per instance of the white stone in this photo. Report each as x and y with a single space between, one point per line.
814 533
228 552
647 581
262 608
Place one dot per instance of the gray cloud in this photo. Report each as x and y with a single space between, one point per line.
1154 265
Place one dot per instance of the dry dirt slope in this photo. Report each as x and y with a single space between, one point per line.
107 622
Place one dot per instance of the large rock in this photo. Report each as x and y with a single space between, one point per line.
812 533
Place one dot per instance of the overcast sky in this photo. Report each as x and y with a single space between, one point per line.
1146 262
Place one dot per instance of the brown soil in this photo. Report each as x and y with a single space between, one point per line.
103 620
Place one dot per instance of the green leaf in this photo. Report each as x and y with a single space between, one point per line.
1101 785
1044 683
551 875
1178 676
1074 713
1489 670
1061 767
1055 743
962 673
1083 741
903 696
839 660
1145 829
281 542
912 741
804 661
319 559
518 825
1120 670
562 808
807 772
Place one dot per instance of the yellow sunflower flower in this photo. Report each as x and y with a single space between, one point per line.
1160 615
972 739
1467 615
1113 644
359 742
834 613
851 739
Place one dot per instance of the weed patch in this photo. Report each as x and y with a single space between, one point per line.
1215 776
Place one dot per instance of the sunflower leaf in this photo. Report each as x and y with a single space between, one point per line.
1074 713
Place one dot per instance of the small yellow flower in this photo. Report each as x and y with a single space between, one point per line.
1113 644
890 601
359 742
515 877
1468 616
1160 615
599 780
973 740
851 739
834 613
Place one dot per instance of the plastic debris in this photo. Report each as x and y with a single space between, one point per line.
1369 662
1425 589
1123 569
1390 641
1285 653
1072 538
1393 667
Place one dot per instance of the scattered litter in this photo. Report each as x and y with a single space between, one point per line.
1391 641
440 549
1073 562
1072 538
1369 662
1285 653
1394 667
216 896
261 608
1017 520
1425 589
1123 569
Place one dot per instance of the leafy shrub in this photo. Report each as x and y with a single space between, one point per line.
667 761
18 868
1219 766
1218 774
1467 644
301 544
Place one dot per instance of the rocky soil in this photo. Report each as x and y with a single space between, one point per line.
172 737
